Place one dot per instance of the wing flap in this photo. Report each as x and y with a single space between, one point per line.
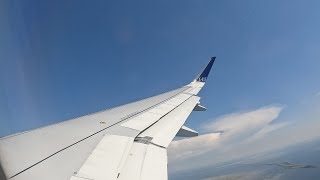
145 161
155 164
107 159
134 162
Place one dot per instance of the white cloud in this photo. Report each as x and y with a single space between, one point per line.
242 123
252 175
245 135
193 146
232 125
266 130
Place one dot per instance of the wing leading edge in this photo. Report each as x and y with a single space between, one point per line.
128 142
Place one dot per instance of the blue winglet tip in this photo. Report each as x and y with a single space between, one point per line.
204 75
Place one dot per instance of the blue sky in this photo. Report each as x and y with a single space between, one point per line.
63 59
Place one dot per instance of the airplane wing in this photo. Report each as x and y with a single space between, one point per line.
122 143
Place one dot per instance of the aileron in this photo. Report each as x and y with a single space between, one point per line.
165 130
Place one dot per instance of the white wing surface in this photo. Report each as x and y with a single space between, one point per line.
124 143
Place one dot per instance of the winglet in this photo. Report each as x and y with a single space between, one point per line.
204 74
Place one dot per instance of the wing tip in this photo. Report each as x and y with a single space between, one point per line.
204 74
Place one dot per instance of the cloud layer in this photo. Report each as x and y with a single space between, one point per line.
224 129
242 124
236 136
